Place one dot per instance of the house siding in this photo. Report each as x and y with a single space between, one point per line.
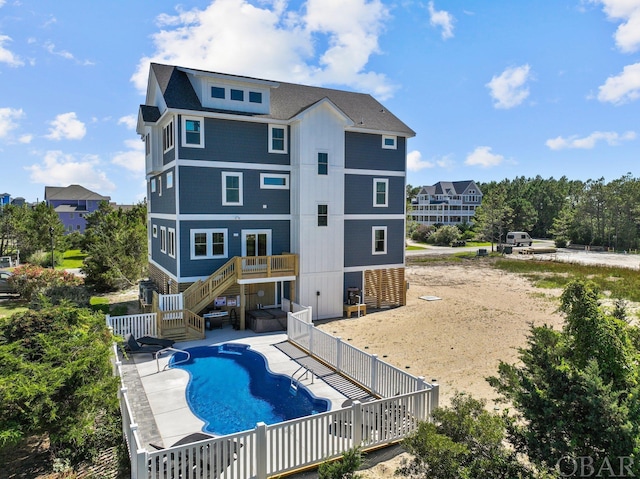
358 243
203 267
234 141
364 151
358 195
201 193
164 199
162 259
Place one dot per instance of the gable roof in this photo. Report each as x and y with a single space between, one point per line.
449 188
72 192
287 101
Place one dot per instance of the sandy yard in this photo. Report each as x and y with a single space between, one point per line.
483 316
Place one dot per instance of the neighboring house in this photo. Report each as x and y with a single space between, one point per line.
446 203
263 174
5 199
72 203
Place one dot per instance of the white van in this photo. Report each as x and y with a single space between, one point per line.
519 238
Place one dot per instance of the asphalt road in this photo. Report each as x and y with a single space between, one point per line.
622 260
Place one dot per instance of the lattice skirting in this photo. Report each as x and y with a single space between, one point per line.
385 288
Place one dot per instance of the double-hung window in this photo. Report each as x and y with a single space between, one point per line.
209 243
323 163
380 192
193 131
171 245
277 139
163 239
231 188
323 215
379 240
167 136
169 179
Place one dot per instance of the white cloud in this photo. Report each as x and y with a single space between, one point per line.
509 88
6 56
25 139
130 121
622 88
588 142
51 48
442 19
8 121
483 157
416 163
60 169
133 159
268 41
2 2
627 35
66 126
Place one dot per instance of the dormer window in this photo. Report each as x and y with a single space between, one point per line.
217 92
255 97
389 142
193 131
237 95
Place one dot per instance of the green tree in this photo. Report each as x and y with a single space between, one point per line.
464 441
56 379
116 244
493 215
445 235
576 391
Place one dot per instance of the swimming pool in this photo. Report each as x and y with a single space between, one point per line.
231 389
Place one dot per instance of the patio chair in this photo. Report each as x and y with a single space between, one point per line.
151 340
131 346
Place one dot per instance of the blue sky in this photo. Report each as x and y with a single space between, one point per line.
494 89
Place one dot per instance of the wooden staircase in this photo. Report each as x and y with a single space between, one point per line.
203 292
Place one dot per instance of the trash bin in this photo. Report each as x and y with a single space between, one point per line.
482 252
507 249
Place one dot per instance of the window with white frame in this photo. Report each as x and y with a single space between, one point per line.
169 179
237 95
380 192
323 163
217 92
209 243
167 136
323 215
153 185
147 144
193 131
389 142
155 231
160 185
163 239
379 240
171 246
277 139
274 181
231 188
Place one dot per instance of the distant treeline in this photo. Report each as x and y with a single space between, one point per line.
592 212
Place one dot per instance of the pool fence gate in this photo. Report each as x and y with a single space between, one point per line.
286 447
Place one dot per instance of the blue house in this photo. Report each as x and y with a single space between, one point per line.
5 199
72 203
261 191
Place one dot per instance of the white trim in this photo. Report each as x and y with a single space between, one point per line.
169 179
170 143
399 216
386 192
266 280
205 217
283 176
284 146
240 166
153 185
154 229
355 269
171 242
389 147
225 175
209 243
373 239
166 271
163 239
363 172
200 120
243 236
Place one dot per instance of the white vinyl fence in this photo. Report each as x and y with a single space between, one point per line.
137 324
271 450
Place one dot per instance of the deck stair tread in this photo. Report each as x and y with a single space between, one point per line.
340 383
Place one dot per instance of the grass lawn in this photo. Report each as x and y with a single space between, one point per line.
11 306
73 258
414 248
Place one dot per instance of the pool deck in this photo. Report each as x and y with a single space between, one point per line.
158 396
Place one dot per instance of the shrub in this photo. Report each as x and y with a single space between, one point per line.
445 235
43 258
59 294
342 468
75 240
422 233
29 280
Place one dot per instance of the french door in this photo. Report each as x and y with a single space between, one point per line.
256 242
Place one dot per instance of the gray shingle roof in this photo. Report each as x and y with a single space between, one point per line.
448 188
287 101
72 192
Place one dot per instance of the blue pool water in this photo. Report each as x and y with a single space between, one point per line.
231 389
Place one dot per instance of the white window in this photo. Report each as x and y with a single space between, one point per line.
389 142
277 139
147 144
379 240
163 239
160 185
169 179
323 215
167 136
153 185
155 231
193 131
231 188
209 243
172 242
274 181
380 192
323 163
